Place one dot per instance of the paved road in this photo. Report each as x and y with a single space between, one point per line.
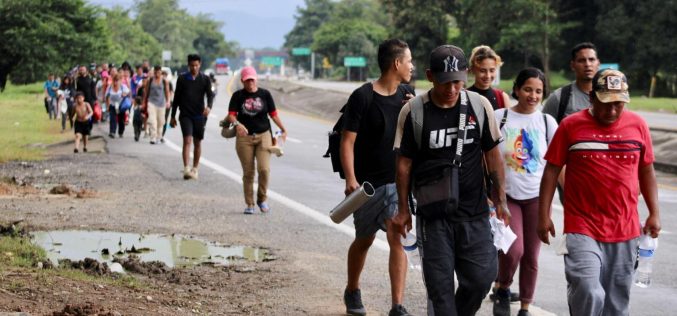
304 189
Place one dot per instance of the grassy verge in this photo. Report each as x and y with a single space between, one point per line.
23 121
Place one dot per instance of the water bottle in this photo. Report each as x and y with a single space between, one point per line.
647 247
411 249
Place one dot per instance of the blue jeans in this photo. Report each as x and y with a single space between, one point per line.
117 121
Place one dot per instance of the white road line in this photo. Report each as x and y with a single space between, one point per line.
294 140
294 205
213 115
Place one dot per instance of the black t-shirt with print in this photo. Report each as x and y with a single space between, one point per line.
489 94
375 128
253 109
439 135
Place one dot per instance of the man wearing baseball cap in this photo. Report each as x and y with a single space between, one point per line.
457 238
609 158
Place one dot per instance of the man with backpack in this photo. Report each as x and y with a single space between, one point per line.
447 179
366 151
576 95
155 103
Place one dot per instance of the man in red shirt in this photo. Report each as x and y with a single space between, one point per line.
609 160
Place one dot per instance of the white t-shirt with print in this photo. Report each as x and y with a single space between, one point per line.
523 148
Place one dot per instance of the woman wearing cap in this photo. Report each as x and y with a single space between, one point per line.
484 63
527 132
249 110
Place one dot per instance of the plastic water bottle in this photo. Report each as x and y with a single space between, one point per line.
647 247
411 249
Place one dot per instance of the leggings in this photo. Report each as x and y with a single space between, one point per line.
524 251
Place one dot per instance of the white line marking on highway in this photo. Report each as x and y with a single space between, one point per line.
213 115
294 140
294 205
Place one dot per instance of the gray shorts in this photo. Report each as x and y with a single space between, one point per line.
372 216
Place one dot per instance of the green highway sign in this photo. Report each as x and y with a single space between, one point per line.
300 51
354 61
272 60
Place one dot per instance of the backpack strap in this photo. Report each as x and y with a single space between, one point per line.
504 119
417 118
545 121
500 101
475 100
564 97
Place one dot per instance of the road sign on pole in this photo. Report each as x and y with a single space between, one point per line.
272 60
300 51
354 61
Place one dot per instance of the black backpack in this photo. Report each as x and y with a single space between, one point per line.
334 147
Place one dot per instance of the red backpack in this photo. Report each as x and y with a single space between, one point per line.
499 98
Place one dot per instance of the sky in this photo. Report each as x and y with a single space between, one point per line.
253 23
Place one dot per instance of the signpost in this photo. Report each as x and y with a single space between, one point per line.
358 61
272 60
300 51
613 66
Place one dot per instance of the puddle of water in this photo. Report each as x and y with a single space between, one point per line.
174 251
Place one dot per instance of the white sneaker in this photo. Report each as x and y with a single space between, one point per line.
193 173
186 173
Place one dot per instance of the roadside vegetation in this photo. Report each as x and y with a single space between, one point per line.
24 124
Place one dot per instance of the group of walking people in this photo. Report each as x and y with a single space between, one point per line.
456 156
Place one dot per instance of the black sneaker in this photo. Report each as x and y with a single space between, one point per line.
514 296
523 312
84 149
353 301
111 135
75 151
502 303
398 310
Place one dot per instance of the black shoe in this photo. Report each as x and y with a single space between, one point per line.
75 151
353 301
84 149
398 310
502 303
136 138
119 135
514 296
523 312
111 135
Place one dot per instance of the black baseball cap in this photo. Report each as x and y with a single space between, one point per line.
448 63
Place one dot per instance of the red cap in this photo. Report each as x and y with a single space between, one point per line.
248 73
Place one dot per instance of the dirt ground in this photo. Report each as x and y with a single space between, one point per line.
100 191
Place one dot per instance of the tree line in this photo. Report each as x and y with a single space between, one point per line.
41 36
634 34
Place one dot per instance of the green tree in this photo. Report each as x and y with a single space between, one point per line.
355 28
423 28
210 42
308 20
168 24
639 34
127 40
40 36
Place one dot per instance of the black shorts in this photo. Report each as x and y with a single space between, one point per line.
81 128
193 126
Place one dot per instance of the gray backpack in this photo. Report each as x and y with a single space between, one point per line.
417 113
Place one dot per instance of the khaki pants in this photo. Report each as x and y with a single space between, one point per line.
250 148
156 119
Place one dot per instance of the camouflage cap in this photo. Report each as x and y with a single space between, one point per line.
610 86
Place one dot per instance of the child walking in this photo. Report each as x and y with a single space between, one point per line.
83 114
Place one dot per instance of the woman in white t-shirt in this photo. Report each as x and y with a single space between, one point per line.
526 133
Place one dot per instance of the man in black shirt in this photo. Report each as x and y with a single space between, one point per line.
191 89
367 156
84 84
460 241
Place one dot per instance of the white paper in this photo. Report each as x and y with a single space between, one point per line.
503 235
561 245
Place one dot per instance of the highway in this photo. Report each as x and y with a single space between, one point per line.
303 189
